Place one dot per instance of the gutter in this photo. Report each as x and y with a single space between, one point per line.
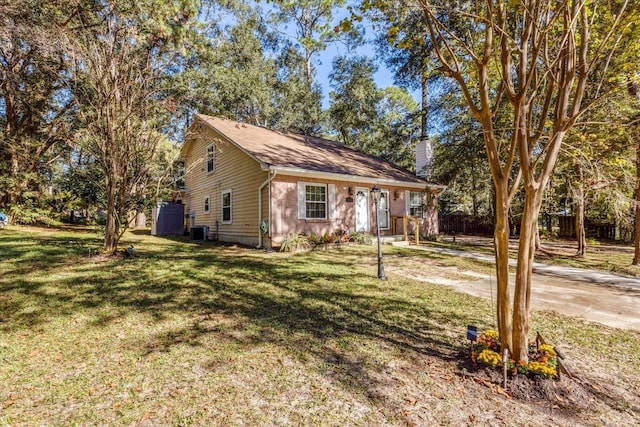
272 174
354 178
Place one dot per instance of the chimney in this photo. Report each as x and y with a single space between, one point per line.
424 158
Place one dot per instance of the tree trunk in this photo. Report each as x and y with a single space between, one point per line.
578 196
141 220
501 247
14 189
423 111
112 230
581 236
524 269
474 195
636 254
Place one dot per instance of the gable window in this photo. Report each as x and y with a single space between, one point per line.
210 158
207 204
414 203
315 201
226 207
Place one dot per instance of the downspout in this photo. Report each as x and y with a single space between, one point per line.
272 174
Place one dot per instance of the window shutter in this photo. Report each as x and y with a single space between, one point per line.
332 201
302 209
407 202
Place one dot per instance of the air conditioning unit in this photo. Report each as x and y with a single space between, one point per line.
199 232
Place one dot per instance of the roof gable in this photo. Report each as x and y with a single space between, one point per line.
287 151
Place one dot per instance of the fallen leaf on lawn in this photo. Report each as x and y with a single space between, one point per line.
483 382
503 392
8 403
411 402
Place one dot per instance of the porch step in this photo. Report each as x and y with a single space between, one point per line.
390 239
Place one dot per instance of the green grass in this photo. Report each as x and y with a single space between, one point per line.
205 334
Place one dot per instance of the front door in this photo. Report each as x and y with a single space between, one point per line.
362 210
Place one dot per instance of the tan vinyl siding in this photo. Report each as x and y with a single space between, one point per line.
234 171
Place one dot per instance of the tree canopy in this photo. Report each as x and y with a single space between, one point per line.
532 86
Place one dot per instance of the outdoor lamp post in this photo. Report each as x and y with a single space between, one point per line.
376 193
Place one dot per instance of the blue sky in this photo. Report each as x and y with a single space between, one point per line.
323 63
383 77
323 60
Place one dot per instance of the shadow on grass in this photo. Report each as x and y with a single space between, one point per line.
304 304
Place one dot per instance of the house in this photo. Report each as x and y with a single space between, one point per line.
256 186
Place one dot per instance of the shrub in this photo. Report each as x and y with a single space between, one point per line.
362 238
342 235
29 215
542 362
489 357
544 369
328 238
294 242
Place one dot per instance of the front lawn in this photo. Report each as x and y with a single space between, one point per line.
206 334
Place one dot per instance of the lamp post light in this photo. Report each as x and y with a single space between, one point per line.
376 193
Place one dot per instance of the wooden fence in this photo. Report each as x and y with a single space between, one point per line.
464 224
565 226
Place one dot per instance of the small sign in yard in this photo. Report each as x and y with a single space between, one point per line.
472 333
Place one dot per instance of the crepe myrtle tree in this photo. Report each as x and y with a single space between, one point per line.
121 57
539 60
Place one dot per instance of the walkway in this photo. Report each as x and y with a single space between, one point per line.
574 273
606 298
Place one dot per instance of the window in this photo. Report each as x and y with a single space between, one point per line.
226 207
383 209
315 200
414 204
207 204
210 158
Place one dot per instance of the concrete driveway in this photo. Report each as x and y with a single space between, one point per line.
595 296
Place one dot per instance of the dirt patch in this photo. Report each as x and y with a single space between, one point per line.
571 401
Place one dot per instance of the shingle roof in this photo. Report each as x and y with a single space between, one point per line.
305 153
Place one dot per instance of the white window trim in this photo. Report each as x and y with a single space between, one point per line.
408 201
230 221
388 227
204 204
206 158
302 200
